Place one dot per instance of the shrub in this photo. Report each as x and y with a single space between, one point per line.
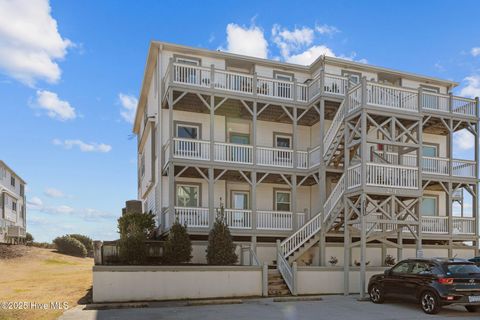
178 247
221 249
144 222
86 241
29 237
132 247
70 246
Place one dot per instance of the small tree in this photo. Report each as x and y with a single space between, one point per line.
221 249
86 241
178 247
29 237
70 246
132 247
144 222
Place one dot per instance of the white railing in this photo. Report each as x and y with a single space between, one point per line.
463 225
392 97
395 176
274 220
334 197
234 153
300 219
314 157
275 88
435 165
286 271
463 168
238 218
191 149
191 75
464 106
232 81
314 89
354 176
436 101
334 84
333 129
274 157
434 224
302 92
192 217
302 159
355 98
302 235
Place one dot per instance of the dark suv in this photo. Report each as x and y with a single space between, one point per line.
431 282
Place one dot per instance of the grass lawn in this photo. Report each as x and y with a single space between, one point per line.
43 276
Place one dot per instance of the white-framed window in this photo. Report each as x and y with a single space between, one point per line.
283 141
429 206
187 131
282 200
186 60
142 165
188 195
430 151
14 205
240 200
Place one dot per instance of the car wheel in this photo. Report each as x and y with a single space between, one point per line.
429 302
472 308
376 294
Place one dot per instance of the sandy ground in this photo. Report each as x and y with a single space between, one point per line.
42 276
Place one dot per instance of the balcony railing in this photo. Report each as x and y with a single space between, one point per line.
394 176
192 217
238 218
379 95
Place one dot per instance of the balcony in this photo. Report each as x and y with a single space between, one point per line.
237 219
242 154
377 94
16 231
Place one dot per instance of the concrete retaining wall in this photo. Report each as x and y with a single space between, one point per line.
144 283
329 280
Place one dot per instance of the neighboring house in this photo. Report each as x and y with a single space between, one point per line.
13 210
296 153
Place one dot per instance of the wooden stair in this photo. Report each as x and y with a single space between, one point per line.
276 285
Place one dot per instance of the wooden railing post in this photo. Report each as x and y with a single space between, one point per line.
322 82
212 76
295 282
170 63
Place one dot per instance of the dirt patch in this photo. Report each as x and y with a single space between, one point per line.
13 251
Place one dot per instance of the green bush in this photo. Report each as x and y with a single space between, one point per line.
221 249
29 237
178 247
70 246
132 247
86 241
144 222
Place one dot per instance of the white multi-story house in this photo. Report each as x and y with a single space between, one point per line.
13 211
334 155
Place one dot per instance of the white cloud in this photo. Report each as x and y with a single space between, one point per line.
464 140
54 106
54 193
475 51
288 41
310 55
249 41
30 42
129 106
326 29
83 146
472 87
35 203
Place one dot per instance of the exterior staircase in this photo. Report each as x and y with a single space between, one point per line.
335 135
276 284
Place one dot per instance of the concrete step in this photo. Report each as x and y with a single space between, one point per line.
278 293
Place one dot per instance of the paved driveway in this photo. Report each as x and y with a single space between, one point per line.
330 308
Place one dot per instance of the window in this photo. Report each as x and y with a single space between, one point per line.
283 141
401 268
187 131
283 89
14 206
3 172
188 195
22 212
12 181
429 151
282 200
353 77
419 267
187 60
429 206
240 200
22 190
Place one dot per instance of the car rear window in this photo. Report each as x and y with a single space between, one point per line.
458 268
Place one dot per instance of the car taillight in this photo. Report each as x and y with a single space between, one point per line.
445 280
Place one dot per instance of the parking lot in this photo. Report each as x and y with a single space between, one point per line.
330 307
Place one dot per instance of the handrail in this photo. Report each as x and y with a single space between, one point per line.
253 256
286 271
333 198
334 127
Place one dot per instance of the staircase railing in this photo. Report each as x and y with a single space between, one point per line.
334 197
302 235
287 272
332 131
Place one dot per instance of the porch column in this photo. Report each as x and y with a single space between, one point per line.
450 217
254 133
253 187
363 247
211 197
399 231
322 181
212 127
170 124
346 250
171 195
295 138
294 202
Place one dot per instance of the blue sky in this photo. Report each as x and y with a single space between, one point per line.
70 73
